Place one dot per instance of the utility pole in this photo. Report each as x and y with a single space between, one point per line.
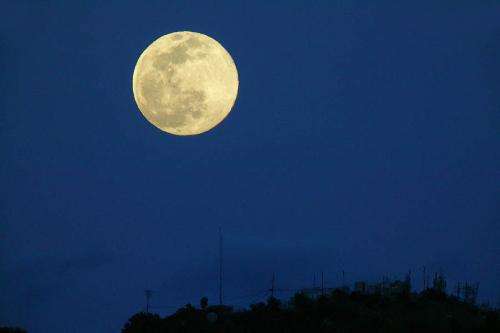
220 266
148 294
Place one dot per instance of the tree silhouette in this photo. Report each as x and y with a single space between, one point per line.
204 302
143 322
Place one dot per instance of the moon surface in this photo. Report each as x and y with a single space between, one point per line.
185 83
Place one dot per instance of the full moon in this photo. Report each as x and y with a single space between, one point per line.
185 83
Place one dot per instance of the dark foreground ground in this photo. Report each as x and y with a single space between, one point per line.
340 311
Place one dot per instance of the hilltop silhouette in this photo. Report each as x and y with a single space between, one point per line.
11 330
381 308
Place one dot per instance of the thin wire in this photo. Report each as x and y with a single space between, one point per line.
254 293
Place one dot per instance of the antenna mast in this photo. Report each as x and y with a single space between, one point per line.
220 266
425 279
148 294
322 284
272 287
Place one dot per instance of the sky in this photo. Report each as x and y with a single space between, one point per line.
365 138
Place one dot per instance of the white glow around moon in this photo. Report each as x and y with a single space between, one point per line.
185 83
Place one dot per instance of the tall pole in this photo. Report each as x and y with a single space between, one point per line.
148 294
220 266
272 287
425 280
322 284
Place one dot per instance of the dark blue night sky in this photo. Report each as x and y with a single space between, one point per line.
365 138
